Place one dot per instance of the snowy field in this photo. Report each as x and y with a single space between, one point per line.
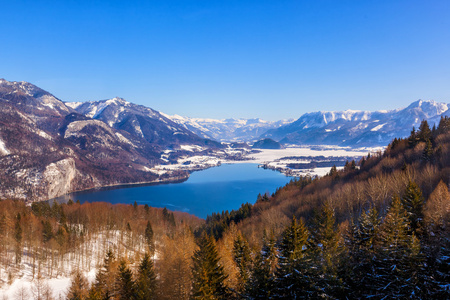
267 155
277 159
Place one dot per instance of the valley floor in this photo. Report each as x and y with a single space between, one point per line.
292 161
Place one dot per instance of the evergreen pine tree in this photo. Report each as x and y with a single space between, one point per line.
78 289
47 231
104 285
427 153
444 125
412 139
442 269
242 257
347 166
398 258
294 279
149 238
434 131
413 202
362 162
262 283
333 172
362 251
126 288
424 132
328 252
172 220
146 279
208 275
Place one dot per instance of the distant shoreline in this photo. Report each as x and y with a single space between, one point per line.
118 186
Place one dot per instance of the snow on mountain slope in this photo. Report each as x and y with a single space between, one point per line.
47 149
228 129
3 150
31 98
139 121
358 128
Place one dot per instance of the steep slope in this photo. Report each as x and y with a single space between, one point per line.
140 121
228 130
358 128
47 149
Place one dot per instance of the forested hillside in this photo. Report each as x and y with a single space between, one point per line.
377 229
42 242
47 149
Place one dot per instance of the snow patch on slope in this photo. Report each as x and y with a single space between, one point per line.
124 139
3 149
378 127
75 127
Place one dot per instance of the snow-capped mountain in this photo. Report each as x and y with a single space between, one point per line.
228 130
31 99
358 128
47 149
139 121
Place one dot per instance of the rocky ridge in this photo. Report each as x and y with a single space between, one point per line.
48 149
358 128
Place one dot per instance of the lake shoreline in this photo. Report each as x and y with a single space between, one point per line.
210 191
172 180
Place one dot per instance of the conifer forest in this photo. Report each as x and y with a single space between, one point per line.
377 229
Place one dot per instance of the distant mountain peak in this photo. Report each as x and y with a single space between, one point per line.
228 130
31 97
430 108
116 100
358 128
139 121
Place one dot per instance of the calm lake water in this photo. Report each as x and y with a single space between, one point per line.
212 190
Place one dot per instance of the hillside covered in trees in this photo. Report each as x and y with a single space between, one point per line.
377 229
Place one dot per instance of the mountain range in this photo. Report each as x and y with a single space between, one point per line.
140 122
358 128
229 130
49 147
344 128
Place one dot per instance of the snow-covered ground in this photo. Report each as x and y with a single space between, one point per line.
25 285
189 163
277 159
270 155
3 149
93 252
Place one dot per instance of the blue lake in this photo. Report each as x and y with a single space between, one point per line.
212 190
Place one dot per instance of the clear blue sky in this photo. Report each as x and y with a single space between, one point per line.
270 59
